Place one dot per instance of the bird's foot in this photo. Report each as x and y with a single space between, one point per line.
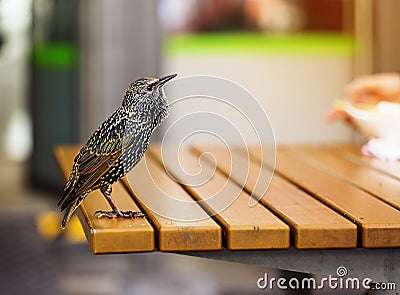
119 214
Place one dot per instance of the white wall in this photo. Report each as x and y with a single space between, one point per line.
295 91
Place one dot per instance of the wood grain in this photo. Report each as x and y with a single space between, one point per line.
313 225
353 154
325 194
380 185
245 227
182 225
108 235
378 223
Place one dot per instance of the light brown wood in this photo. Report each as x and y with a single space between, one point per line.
313 225
108 235
382 186
378 222
182 224
353 154
245 227
311 183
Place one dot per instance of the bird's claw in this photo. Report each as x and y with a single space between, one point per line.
119 214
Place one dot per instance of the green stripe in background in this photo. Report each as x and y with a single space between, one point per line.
55 55
260 43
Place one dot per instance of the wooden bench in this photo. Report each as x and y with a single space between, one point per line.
326 206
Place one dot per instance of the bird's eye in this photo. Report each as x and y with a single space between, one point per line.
150 87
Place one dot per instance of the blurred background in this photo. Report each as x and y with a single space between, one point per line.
65 63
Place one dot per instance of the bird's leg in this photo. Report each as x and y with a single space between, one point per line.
107 190
116 212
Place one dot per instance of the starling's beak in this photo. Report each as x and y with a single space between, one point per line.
164 80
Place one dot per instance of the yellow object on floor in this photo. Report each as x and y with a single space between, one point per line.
49 226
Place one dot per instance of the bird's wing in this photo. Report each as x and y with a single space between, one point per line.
103 149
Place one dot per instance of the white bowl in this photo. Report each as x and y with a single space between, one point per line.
380 121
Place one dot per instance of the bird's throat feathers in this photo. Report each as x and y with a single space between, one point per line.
150 107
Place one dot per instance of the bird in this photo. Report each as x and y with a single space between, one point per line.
116 147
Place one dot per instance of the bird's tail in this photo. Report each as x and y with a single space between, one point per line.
72 192
69 187
71 209
67 217
72 196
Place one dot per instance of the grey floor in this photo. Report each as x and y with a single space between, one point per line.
32 265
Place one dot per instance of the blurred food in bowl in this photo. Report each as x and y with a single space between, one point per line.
380 123
374 121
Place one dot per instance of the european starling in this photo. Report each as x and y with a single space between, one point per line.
116 147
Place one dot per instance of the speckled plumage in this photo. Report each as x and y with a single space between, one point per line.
117 145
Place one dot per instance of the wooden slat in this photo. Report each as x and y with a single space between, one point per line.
313 225
108 235
378 222
245 227
353 154
171 209
382 186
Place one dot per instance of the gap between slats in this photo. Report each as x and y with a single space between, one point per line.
166 204
376 230
243 225
354 155
380 185
108 236
306 232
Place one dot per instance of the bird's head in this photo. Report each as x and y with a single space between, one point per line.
144 94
